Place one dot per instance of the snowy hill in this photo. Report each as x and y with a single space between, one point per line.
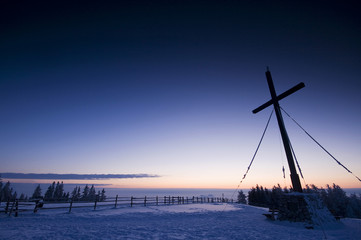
190 221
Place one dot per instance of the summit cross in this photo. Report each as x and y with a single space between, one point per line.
296 184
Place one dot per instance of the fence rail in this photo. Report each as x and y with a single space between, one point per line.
16 206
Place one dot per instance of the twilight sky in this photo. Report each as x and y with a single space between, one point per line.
166 89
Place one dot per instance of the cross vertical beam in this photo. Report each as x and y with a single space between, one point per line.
286 141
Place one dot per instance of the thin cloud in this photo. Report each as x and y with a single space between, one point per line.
50 176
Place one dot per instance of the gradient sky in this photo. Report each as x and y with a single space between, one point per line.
167 88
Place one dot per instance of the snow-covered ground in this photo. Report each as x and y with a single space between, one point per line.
190 221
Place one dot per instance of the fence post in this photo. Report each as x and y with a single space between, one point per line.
157 200
71 205
165 200
12 207
131 201
36 207
7 206
16 207
95 203
116 201
145 201
169 200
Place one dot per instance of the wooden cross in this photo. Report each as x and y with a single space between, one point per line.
286 141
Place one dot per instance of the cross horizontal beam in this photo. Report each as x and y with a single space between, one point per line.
279 97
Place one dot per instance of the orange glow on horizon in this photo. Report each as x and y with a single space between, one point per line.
167 183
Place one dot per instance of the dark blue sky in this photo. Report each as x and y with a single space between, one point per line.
143 82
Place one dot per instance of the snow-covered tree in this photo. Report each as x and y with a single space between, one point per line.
353 209
259 196
336 200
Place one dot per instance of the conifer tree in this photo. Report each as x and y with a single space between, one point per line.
1 188
13 197
66 196
336 200
74 194
56 191
78 195
92 194
49 194
22 197
37 192
6 192
85 192
334 197
102 196
354 206
241 197
275 196
59 190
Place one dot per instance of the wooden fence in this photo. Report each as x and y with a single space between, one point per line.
16 206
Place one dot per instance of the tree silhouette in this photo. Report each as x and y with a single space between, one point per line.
37 193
